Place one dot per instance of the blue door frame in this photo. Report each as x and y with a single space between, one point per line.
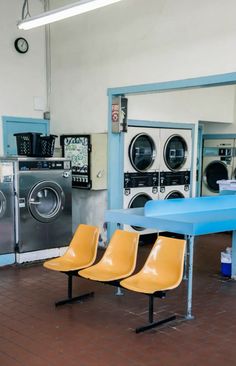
115 140
25 124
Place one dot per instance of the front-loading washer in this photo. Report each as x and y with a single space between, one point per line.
141 150
44 207
217 164
171 192
7 214
176 149
175 185
135 198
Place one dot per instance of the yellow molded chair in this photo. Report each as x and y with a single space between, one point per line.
162 271
118 261
81 253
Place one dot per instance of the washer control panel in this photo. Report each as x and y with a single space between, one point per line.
35 165
132 180
175 179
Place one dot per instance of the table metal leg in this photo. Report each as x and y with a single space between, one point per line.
190 246
233 270
185 275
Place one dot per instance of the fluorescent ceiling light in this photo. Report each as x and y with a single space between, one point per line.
80 7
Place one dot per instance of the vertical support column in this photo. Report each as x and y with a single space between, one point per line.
190 248
233 271
115 167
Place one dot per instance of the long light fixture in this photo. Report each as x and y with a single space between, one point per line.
64 12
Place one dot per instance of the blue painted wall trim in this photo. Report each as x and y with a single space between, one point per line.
141 123
199 157
7 259
199 82
219 136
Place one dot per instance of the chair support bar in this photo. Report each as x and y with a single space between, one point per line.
74 299
70 298
150 315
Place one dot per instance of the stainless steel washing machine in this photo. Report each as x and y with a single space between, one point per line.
141 150
176 148
217 164
7 196
44 203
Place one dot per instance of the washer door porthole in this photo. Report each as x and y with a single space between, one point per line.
137 201
214 171
175 152
46 201
173 195
142 152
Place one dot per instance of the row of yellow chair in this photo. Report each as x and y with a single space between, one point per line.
162 271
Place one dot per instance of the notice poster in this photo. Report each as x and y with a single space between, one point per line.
76 148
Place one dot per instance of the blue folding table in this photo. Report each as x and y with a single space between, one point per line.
189 216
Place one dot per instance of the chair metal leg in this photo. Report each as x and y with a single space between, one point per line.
119 292
70 278
71 299
150 316
150 313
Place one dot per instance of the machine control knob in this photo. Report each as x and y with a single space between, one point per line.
154 190
66 175
127 192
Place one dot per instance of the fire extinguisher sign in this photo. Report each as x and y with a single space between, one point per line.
115 112
119 114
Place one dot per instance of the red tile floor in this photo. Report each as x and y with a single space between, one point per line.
99 331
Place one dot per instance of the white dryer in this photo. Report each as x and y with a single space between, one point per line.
217 164
141 149
137 197
176 149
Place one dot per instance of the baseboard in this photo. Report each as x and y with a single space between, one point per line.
39 255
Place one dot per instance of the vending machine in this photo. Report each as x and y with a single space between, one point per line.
88 155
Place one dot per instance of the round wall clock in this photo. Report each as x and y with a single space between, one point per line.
21 45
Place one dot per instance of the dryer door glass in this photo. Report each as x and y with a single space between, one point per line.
46 201
174 194
214 171
142 152
139 201
175 152
2 204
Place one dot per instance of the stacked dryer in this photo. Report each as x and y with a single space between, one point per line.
141 169
217 164
175 164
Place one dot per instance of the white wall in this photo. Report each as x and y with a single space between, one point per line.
137 42
22 76
134 42
210 104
